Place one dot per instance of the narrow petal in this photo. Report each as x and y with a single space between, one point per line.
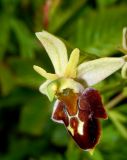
97 70
56 51
71 67
58 114
44 74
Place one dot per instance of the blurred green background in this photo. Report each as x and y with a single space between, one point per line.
26 130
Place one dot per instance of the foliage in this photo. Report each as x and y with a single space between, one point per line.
26 130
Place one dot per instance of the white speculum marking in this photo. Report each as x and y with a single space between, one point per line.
80 124
70 129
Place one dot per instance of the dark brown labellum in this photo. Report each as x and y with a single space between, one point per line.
80 114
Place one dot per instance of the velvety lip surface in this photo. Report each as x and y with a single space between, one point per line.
80 114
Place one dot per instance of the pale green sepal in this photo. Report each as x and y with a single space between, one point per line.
52 90
43 88
97 70
56 51
59 85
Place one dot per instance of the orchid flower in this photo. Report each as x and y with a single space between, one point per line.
78 106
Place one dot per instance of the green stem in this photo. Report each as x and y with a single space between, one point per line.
115 101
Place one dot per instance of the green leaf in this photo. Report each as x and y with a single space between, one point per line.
119 116
5 33
25 39
97 155
105 3
24 75
99 32
122 108
113 138
6 79
33 116
72 153
121 128
58 23
58 134
19 96
125 91
51 156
